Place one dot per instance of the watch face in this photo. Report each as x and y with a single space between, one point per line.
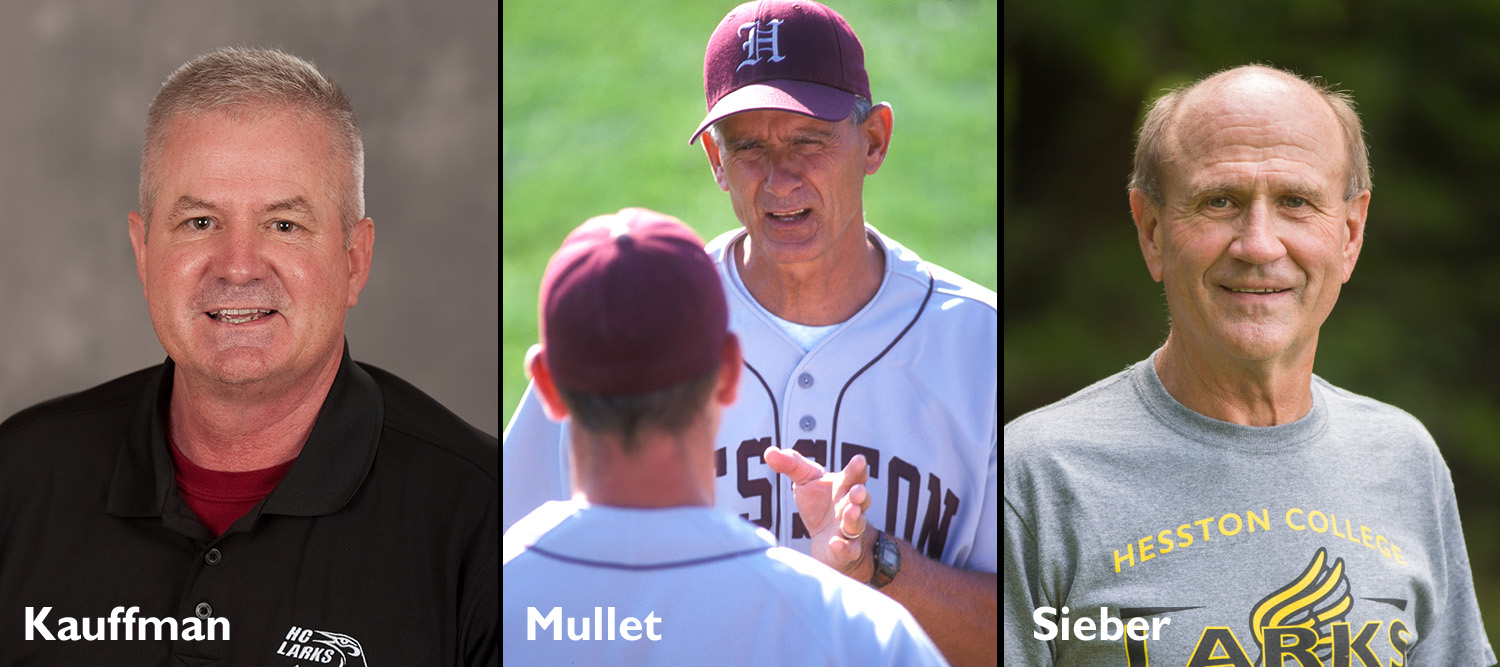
888 557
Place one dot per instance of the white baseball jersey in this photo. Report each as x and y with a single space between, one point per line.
597 585
910 381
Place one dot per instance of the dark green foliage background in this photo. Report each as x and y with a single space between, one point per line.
1416 326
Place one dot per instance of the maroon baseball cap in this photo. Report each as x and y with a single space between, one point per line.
631 304
792 55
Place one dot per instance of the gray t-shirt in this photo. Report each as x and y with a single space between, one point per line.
1335 537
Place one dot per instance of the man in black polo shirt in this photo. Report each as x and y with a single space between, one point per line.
259 498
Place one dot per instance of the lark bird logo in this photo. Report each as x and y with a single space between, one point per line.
349 650
1318 598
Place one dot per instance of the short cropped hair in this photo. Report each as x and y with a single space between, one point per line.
669 409
249 81
1150 152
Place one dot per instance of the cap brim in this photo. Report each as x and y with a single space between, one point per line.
804 97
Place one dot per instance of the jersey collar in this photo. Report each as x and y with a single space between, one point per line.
339 452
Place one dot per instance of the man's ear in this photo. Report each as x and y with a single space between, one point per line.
1359 208
1148 230
541 378
877 132
715 162
728 387
137 231
361 249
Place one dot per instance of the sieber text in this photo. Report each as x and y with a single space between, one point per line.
1110 628
630 627
100 629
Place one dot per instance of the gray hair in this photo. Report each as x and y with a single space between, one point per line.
247 81
1150 152
859 114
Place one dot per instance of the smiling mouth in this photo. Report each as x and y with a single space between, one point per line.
238 315
1257 290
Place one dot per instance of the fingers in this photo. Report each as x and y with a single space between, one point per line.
857 472
846 553
859 495
794 465
852 515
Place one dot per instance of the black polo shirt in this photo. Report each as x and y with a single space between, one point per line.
379 547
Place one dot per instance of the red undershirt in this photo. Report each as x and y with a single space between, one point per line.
218 497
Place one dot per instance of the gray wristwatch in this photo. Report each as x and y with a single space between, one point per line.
887 556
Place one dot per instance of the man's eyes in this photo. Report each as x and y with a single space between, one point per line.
1223 202
752 145
204 223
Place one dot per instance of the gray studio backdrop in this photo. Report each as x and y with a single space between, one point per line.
75 81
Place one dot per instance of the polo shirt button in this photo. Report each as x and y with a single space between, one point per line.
213 557
203 610
808 423
805 380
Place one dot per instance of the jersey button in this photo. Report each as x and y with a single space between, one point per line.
203 610
213 557
808 423
804 380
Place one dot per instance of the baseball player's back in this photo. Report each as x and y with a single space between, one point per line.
909 382
596 585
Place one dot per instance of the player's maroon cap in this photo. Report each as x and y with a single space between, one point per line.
631 304
793 55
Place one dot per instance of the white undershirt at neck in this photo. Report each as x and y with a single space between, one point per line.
806 336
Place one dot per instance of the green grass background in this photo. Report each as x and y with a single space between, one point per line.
600 97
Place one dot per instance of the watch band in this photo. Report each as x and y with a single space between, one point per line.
887 558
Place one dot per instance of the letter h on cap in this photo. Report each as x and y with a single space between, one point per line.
757 41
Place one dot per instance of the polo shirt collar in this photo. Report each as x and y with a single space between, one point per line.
339 452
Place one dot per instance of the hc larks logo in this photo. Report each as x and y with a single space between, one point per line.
760 40
1302 623
319 647
1304 610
